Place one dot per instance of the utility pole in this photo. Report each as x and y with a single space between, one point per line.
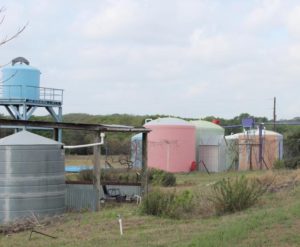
274 114
97 170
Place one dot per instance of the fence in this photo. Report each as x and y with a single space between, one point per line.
30 92
83 196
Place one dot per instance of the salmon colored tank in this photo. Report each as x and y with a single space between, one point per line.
171 145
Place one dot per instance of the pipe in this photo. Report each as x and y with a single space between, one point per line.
102 135
120 224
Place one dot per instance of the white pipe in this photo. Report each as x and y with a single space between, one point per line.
102 135
121 226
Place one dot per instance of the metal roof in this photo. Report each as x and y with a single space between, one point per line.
74 126
26 138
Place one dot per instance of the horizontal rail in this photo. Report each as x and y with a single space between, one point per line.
30 92
73 126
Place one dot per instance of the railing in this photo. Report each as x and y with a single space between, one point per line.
30 92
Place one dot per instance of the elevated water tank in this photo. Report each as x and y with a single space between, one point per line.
31 176
171 144
20 80
210 146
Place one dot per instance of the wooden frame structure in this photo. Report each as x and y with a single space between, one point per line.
97 129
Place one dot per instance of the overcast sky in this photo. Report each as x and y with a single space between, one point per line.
190 58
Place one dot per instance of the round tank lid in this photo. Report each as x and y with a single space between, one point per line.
206 124
254 132
26 138
168 121
19 60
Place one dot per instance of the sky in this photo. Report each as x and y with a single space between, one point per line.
189 58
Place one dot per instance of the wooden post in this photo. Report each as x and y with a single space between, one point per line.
144 165
97 170
260 154
55 134
274 114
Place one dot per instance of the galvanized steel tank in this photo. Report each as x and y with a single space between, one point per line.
171 144
20 80
31 176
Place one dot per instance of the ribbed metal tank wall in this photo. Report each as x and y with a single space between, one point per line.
210 146
31 176
21 81
242 151
171 144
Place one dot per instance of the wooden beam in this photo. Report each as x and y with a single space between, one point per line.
97 170
144 165
73 126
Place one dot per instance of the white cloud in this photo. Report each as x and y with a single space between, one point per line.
111 20
293 20
188 58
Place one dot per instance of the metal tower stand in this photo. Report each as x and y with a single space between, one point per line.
22 109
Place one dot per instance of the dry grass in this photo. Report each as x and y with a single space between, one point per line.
273 222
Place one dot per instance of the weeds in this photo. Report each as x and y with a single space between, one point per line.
86 175
279 164
235 194
160 177
168 204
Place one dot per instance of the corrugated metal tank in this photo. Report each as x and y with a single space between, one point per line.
242 151
21 81
136 150
31 176
171 144
210 146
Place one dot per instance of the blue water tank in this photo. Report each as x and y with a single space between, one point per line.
21 81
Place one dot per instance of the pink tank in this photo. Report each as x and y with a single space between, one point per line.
171 144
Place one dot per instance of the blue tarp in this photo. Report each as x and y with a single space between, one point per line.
77 168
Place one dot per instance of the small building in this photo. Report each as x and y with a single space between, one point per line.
210 146
242 151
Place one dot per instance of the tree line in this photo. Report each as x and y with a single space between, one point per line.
119 143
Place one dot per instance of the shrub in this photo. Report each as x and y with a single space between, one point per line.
235 194
279 164
168 204
160 177
292 163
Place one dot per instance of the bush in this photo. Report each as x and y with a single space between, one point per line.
168 204
231 195
279 164
292 163
160 177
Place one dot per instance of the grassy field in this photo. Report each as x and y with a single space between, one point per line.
274 221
